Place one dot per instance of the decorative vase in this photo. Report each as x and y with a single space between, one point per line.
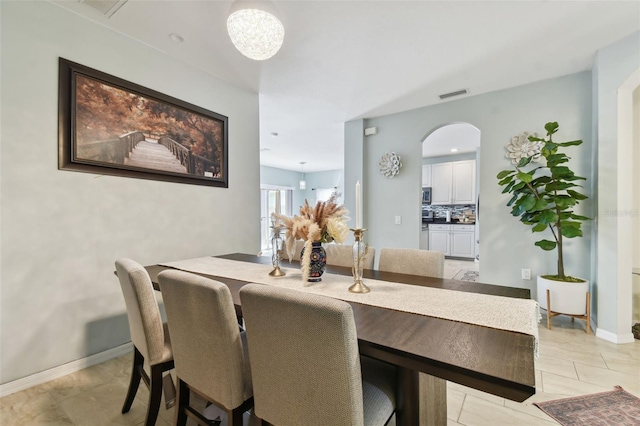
317 262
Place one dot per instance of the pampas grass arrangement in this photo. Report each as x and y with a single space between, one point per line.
325 222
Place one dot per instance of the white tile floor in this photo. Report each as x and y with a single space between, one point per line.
571 363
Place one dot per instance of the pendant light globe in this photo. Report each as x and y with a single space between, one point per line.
254 29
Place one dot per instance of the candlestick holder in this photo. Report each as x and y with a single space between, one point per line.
359 250
276 247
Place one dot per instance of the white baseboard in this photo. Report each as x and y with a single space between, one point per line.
615 338
64 369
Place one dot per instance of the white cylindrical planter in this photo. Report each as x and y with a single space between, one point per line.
566 298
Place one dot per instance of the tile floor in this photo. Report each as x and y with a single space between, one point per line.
571 363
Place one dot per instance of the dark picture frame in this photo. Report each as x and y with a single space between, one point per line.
110 126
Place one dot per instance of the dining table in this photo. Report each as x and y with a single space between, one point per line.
427 351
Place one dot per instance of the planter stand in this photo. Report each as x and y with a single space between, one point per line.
586 317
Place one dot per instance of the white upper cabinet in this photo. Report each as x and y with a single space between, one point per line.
441 179
453 183
464 182
426 175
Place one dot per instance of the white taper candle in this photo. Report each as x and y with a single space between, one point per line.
358 219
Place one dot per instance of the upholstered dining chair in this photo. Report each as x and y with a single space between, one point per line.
210 351
342 255
305 365
424 263
412 261
150 336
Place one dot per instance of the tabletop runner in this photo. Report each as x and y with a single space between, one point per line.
504 313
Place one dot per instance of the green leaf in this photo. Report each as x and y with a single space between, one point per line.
517 210
505 180
508 187
527 218
561 171
546 244
524 161
578 217
564 201
570 143
518 186
514 198
539 227
571 232
541 204
576 195
524 177
505 173
553 163
542 180
551 127
558 186
570 224
557 157
529 202
548 216
571 178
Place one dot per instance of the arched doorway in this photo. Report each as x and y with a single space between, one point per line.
450 220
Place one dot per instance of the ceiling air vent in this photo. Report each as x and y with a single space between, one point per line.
105 7
452 94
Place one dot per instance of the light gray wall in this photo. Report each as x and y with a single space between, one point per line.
355 170
62 230
323 180
506 245
281 177
614 65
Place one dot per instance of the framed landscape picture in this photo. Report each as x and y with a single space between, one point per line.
111 126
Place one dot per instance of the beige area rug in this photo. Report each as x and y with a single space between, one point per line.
466 275
614 408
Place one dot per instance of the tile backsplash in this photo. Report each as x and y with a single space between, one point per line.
456 210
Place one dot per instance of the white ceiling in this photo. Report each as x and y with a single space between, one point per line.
343 60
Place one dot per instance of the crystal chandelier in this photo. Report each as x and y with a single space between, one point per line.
254 29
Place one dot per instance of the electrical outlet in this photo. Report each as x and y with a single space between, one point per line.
526 274
398 220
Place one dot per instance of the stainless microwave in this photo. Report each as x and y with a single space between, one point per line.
426 195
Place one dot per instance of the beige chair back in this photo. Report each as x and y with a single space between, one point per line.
304 357
412 261
207 346
145 321
342 255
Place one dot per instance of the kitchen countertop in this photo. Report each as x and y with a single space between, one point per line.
442 221
425 225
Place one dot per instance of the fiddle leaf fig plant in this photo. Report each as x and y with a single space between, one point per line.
544 196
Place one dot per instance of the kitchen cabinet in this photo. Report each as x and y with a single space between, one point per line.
426 175
441 179
439 238
453 240
462 241
464 182
453 183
